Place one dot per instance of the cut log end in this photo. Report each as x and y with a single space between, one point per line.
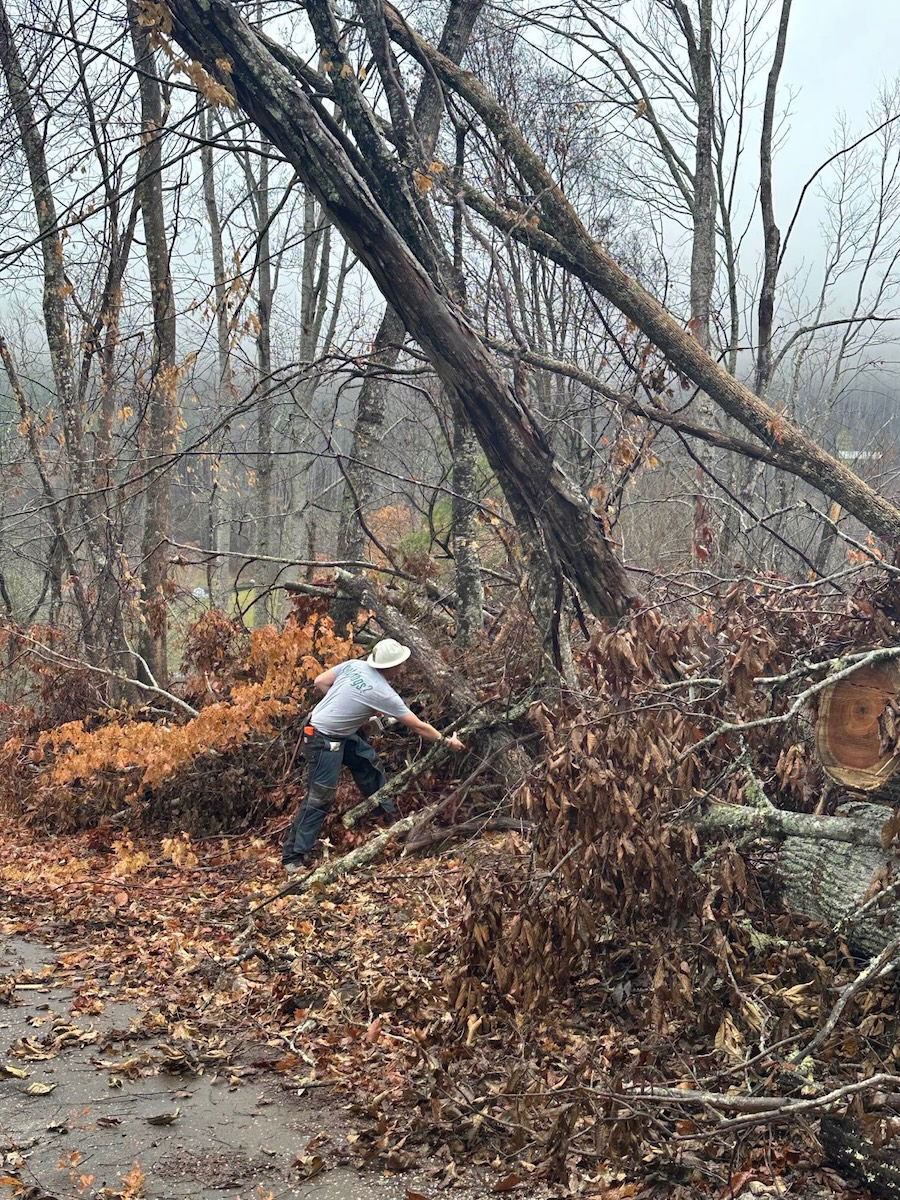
857 731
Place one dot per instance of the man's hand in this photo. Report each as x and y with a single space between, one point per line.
423 729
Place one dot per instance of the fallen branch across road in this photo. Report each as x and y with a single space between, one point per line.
368 852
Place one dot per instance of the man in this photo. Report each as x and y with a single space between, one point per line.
355 691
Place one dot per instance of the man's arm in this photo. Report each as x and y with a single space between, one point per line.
429 733
324 681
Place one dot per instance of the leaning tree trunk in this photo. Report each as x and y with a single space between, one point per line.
515 445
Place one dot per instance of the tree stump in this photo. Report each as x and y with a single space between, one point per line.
858 732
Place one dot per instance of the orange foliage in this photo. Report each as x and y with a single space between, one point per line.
284 662
390 524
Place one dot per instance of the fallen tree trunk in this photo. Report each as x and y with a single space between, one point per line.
836 869
833 882
850 826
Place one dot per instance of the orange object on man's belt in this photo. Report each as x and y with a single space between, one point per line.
308 730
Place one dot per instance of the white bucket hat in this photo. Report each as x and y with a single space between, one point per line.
388 653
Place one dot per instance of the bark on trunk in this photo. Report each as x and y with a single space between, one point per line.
55 283
771 232
859 1159
265 462
703 244
215 523
469 588
829 866
364 444
831 881
161 403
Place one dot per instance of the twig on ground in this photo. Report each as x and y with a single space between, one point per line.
459 791
477 825
886 962
357 857
756 1109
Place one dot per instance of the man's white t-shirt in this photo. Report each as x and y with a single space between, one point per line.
359 691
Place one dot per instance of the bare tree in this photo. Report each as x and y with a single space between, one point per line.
162 389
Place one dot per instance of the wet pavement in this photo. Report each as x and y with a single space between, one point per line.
88 1119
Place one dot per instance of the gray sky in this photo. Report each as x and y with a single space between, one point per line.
838 55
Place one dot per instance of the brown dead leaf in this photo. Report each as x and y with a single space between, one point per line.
31 1048
133 1182
508 1184
308 1165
